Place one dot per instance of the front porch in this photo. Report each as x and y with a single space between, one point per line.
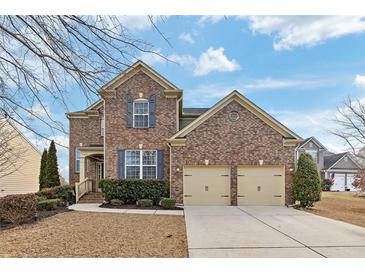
91 170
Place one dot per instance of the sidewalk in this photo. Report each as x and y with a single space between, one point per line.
96 208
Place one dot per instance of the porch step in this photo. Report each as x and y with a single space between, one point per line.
92 198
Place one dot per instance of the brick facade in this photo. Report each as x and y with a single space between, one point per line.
86 131
118 136
218 139
224 142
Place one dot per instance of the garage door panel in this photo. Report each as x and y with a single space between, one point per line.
206 185
260 186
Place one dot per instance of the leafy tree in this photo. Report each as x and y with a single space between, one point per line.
53 177
43 171
307 184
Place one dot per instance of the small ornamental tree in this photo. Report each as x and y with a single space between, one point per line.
307 184
359 181
53 177
43 171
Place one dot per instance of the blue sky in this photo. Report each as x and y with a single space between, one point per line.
298 69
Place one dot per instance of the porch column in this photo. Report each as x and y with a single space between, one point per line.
82 166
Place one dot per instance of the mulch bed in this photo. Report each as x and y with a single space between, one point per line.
77 234
134 206
40 215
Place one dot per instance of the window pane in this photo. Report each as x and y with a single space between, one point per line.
149 172
141 108
149 158
132 172
132 157
77 160
313 153
141 121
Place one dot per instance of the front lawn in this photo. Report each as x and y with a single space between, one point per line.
82 234
343 206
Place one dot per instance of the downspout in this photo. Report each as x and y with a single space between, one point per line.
170 168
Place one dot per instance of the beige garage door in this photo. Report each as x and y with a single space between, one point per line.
206 185
260 186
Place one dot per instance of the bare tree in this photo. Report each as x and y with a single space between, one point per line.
350 122
45 58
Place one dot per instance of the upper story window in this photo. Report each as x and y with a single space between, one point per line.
77 160
140 114
102 126
313 153
141 164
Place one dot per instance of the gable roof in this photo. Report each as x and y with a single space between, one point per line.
331 160
250 106
132 70
314 140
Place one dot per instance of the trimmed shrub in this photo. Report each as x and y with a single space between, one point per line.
307 184
52 174
168 203
116 202
144 203
18 209
64 192
326 185
132 190
49 204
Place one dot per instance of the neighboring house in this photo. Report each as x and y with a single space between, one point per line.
315 149
341 167
23 176
232 153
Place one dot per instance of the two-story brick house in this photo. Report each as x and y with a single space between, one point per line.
232 153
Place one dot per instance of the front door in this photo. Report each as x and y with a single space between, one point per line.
99 174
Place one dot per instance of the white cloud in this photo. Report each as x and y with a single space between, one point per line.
187 38
294 31
360 81
215 60
269 83
209 61
212 19
138 22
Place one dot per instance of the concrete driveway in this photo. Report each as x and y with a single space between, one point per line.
269 231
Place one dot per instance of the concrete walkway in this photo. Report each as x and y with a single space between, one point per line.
96 208
269 231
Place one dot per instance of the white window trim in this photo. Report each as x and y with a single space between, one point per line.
148 112
141 165
77 159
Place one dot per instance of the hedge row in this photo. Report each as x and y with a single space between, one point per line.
132 190
64 192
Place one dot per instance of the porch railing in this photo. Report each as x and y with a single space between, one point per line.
82 188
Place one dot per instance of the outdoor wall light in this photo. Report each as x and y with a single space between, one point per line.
261 162
177 169
206 162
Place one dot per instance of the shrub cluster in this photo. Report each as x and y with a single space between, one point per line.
168 203
132 190
49 204
145 203
116 202
64 192
326 185
18 209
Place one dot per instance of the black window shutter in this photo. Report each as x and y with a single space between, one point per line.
160 164
121 158
129 111
152 109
